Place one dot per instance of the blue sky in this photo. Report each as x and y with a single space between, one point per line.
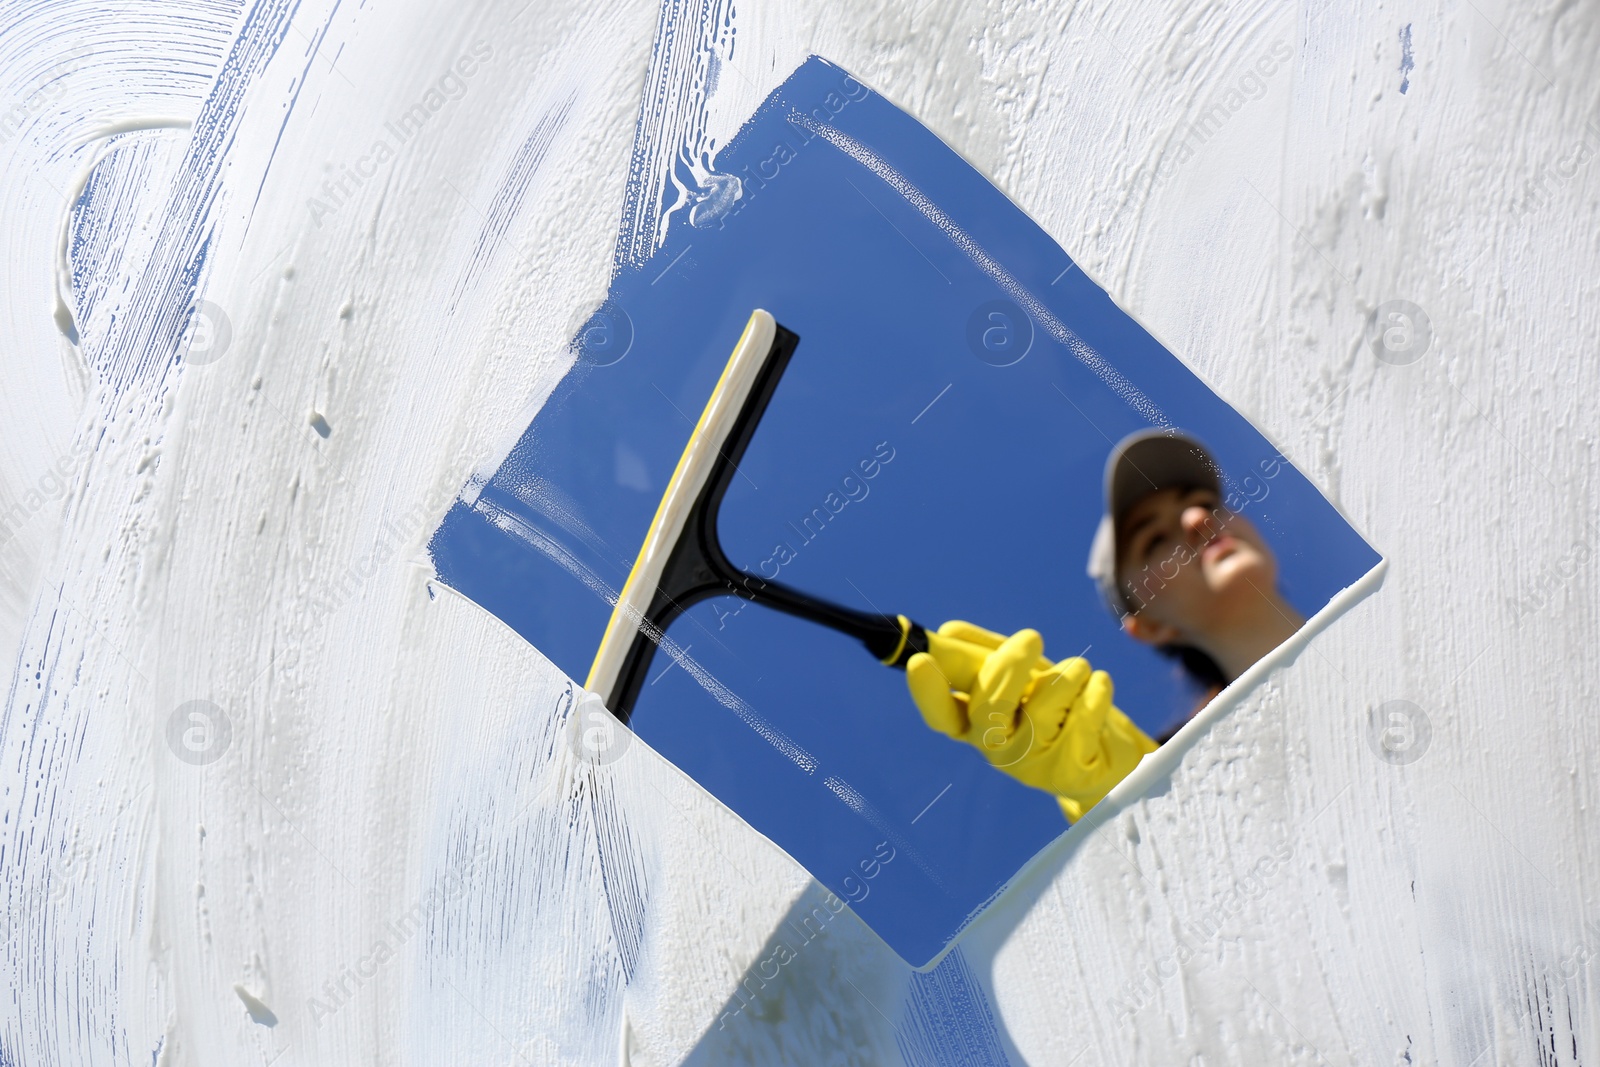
984 512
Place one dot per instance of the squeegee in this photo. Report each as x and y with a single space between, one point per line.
682 561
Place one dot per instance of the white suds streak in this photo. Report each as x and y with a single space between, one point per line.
547 839
158 311
731 700
1114 380
508 199
313 47
540 495
672 115
122 961
622 871
515 526
507 522
864 808
95 231
946 1019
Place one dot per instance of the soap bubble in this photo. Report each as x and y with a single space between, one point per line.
594 734
199 732
1399 332
999 333
210 334
1398 732
715 199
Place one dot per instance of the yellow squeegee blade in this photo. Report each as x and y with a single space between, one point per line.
695 467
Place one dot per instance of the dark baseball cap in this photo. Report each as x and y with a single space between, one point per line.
1143 463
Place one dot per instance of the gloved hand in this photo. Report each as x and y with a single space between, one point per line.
1048 725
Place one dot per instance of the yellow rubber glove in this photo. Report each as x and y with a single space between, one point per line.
1048 725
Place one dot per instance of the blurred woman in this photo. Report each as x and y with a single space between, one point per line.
1184 574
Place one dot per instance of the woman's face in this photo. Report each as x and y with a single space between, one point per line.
1190 567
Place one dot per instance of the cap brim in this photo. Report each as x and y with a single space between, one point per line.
1152 460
